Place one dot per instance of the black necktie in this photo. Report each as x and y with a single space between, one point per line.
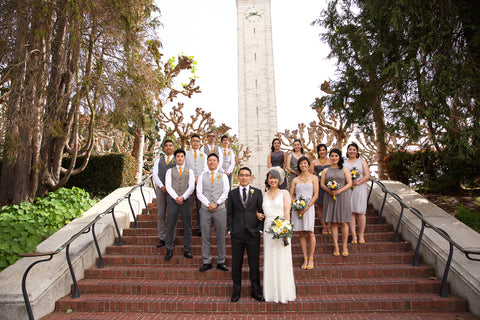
244 195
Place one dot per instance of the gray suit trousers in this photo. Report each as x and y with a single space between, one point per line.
219 218
162 211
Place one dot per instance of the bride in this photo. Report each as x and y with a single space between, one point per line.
278 281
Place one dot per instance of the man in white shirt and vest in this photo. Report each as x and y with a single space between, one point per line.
196 160
210 147
180 182
212 190
228 159
160 167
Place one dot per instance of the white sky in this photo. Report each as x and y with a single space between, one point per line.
207 30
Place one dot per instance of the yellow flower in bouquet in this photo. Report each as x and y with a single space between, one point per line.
300 204
281 229
355 174
333 185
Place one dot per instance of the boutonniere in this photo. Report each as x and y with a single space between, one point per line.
251 191
219 176
186 171
201 155
229 153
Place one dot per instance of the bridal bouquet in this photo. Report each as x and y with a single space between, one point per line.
281 229
355 174
333 185
300 204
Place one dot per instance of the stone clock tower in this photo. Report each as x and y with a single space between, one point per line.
257 111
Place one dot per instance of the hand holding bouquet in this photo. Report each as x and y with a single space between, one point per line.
355 175
300 204
281 229
333 185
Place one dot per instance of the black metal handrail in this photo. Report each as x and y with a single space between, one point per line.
425 224
86 229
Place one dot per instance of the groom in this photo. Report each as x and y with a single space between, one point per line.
242 206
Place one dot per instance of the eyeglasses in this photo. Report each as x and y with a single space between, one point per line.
210 135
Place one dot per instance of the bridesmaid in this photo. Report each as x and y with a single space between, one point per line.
359 192
277 158
337 211
306 186
292 161
317 166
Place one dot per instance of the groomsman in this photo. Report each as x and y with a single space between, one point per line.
242 206
228 159
160 167
212 190
210 147
180 182
196 159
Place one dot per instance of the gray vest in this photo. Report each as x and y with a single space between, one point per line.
227 159
206 149
163 167
196 164
180 184
212 191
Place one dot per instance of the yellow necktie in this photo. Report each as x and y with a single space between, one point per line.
168 160
211 177
180 172
224 152
195 153
211 149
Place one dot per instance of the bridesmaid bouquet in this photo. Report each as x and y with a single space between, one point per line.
281 229
333 185
300 204
355 174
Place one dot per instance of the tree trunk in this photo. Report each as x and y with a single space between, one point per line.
137 152
19 173
380 136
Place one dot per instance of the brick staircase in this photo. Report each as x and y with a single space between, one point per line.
377 281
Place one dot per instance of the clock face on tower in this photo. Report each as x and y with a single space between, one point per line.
253 14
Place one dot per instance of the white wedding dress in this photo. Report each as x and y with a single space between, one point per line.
278 281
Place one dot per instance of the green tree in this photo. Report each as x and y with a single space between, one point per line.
409 66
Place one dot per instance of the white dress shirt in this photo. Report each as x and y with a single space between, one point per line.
191 183
223 196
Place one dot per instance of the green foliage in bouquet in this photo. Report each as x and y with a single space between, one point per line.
25 225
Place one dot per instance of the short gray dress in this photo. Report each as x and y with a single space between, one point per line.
321 192
340 210
359 197
307 223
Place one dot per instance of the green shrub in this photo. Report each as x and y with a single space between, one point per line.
469 217
25 225
103 174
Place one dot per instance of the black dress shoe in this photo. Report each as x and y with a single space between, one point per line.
205 267
199 233
187 254
222 267
258 297
235 297
161 243
169 254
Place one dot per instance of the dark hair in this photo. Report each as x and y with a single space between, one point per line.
340 161
353 144
167 141
195 136
213 154
275 175
321 145
211 131
179 151
245 168
302 159
301 148
224 137
275 139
